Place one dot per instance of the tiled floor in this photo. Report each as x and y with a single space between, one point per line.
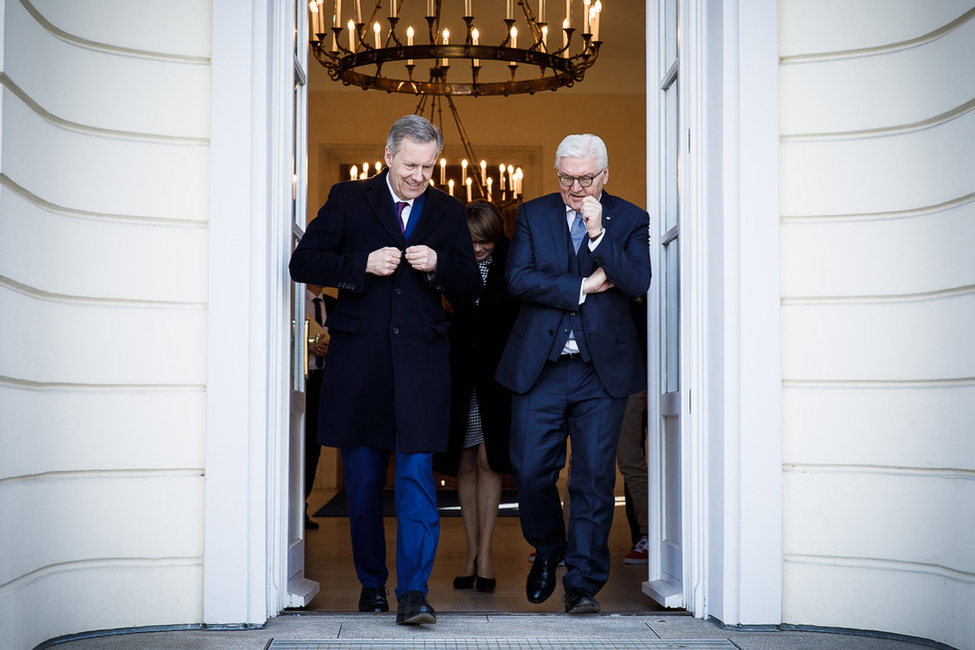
328 561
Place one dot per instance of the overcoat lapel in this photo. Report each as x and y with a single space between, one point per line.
381 203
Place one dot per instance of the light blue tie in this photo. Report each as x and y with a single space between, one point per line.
578 231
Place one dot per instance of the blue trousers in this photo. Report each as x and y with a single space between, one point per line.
417 518
568 402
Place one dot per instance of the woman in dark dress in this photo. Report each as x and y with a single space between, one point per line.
480 409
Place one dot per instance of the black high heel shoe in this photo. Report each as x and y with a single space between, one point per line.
486 584
466 582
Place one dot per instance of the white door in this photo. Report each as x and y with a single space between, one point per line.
300 590
664 431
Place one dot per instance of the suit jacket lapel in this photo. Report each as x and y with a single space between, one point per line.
381 203
559 232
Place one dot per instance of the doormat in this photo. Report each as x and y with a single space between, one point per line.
447 504
499 644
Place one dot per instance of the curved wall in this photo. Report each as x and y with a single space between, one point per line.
104 199
877 114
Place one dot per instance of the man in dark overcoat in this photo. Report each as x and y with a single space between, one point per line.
572 360
393 246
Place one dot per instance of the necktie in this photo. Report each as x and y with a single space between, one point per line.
400 206
318 310
578 231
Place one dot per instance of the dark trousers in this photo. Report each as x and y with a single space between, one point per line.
568 402
313 394
417 518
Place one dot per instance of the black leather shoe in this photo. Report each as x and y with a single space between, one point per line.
486 585
541 579
579 601
413 609
373 599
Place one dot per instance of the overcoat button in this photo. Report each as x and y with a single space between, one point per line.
397 291
395 330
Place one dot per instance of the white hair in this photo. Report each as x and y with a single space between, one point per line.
582 145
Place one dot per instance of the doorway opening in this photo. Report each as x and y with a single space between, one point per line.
355 122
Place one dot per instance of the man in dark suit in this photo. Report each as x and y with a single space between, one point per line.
393 246
573 358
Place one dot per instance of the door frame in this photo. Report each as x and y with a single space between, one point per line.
246 531
730 431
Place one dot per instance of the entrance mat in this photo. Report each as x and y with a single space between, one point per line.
447 504
499 644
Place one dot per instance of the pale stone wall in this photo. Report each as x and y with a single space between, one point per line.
877 198
104 202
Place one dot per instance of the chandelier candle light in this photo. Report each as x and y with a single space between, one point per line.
388 62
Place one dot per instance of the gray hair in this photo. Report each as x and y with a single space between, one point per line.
416 128
582 145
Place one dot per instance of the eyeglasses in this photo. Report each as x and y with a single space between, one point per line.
584 181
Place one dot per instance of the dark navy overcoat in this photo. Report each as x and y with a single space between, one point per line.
386 382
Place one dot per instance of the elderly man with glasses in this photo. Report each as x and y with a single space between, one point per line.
577 258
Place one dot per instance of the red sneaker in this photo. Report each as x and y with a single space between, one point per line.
639 555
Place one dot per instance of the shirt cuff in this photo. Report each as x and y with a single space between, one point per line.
595 242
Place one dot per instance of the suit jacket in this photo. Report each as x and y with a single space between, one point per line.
478 335
387 380
538 274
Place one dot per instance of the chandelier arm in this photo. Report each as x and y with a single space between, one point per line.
536 27
466 141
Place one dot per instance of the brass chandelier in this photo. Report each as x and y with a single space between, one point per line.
365 52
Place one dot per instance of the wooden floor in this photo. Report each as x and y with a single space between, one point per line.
328 561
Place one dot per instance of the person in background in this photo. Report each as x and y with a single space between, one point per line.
394 247
577 259
631 455
480 408
317 306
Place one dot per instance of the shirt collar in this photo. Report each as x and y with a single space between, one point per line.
396 199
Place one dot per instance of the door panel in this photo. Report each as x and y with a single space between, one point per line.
664 431
300 590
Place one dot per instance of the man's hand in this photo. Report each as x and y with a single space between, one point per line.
383 261
592 215
319 349
597 282
422 258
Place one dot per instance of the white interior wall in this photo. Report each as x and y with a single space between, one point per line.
877 113
103 313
